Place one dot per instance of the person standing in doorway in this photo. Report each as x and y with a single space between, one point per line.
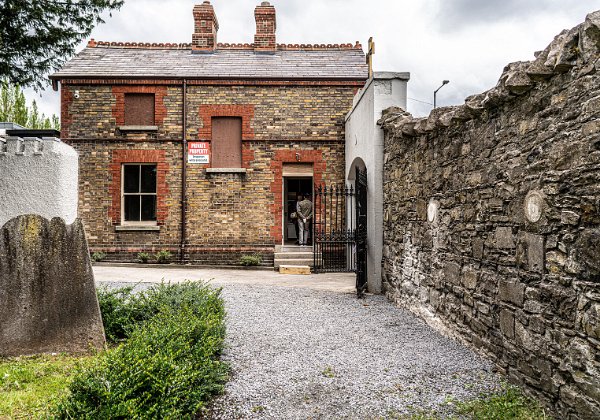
305 214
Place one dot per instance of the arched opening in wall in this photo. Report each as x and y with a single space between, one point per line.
351 175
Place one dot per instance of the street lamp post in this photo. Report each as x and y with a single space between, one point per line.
444 82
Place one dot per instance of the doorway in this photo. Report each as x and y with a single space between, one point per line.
293 187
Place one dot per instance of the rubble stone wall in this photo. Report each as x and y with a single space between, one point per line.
492 220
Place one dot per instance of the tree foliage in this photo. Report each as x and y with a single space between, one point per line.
37 36
13 108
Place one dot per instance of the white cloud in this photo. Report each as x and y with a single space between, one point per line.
466 41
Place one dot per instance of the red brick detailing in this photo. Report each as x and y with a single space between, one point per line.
215 82
66 97
139 156
225 46
291 156
247 155
160 110
246 112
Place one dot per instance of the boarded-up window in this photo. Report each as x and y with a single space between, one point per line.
139 109
226 142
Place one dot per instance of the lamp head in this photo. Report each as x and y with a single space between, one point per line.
445 82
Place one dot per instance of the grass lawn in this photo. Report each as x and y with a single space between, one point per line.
28 384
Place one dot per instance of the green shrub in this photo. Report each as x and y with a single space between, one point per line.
143 257
167 368
163 257
248 260
98 256
123 310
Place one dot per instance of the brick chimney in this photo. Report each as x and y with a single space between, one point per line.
206 26
266 24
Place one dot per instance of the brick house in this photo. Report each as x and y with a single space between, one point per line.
202 148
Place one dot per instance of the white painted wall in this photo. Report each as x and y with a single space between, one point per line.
38 176
364 146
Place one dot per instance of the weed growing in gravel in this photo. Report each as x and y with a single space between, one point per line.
328 372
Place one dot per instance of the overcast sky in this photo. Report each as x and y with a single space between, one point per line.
465 41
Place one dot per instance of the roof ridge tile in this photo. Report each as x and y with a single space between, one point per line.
92 43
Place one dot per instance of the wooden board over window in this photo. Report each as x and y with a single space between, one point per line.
226 142
139 109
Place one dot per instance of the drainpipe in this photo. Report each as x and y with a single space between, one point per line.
184 176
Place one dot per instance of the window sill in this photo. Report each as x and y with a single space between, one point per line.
225 170
133 228
128 128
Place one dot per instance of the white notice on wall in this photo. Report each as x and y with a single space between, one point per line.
198 152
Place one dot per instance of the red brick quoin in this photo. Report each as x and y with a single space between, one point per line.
246 112
291 156
66 98
160 110
139 156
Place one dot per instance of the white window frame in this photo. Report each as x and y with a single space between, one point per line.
123 194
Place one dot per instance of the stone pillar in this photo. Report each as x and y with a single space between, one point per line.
364 148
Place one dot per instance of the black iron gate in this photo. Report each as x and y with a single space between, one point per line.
361 231
340 229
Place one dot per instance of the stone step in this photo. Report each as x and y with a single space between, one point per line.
292 255
297 261
293 248
294 269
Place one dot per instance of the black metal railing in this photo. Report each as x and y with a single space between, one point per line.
334 230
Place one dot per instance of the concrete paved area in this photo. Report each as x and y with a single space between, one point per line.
332 282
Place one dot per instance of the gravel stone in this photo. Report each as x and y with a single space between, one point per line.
299 353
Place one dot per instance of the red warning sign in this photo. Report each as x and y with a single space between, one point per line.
198 152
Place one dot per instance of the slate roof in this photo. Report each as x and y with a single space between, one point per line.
107 60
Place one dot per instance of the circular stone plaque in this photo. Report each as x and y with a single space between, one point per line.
534 206
432 210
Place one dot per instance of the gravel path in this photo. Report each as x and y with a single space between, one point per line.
299 353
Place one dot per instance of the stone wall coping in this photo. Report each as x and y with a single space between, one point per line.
571 50
387 75
378 75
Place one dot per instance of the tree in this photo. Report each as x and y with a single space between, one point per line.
37 36
13 108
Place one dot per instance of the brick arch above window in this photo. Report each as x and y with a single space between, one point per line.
160 110
119 157
245 112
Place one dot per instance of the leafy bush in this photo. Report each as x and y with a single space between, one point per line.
123 310
248 260
143 257
98 256
163 257
167 368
